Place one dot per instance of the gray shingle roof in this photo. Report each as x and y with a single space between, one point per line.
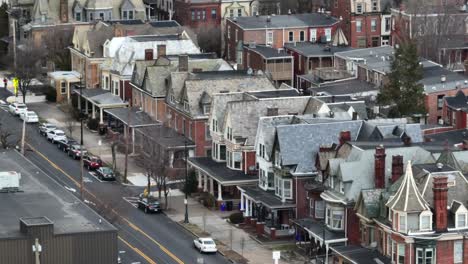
309 49
286 21
348 87
458 101
221 173
268 52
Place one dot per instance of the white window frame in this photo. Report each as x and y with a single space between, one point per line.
302 36
358 25
330 220
63 87
289 194
269 38
229 31
186 105
291 36
359 8
236 38
313 35
428 215
461 214
342 187
373 25
400 253
328 34
400 217
458 251
319 209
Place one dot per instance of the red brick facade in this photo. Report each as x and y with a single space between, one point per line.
368 34
198 14
352 226
434 104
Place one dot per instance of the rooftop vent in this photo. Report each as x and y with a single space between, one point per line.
443 78
439 166
268 19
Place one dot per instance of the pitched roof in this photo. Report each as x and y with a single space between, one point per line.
286 21
408 198
458 101
447 158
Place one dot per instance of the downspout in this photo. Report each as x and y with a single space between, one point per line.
295 194
346 225
245 167
283 37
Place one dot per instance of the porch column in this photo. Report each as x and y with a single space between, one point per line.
86 106
101 117
94 111
133 140
246 213
242 202
205 182
220 192
199 180
250 207
211 186
79 102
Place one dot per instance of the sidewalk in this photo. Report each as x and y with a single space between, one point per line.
53 114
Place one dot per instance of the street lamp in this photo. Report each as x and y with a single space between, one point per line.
82 117
186 221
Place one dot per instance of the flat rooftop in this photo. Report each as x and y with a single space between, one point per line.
43 201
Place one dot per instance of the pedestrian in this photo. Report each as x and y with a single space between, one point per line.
5 82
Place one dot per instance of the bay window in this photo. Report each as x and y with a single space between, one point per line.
234 160
424 255
335 217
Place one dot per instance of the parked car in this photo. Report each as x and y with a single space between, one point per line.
149 204
205 244
64 145
46 127
105 173
91 162
29 117
17 108
56 135
75 151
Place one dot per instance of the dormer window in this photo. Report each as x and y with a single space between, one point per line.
186 105
172 99
402 222
461 220
229 133
334 217
206 109
277 158
425 221
78 16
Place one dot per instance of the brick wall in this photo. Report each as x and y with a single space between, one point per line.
444 252
253 60
183 13
431 104
366 31
300 196
249 160
352 226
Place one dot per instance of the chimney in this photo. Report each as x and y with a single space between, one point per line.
149 55
272 112
407 141
183 63
379 167
345 136
397 167
161 51
440 188
64 11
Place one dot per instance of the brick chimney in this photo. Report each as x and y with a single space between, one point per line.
407 141
397 167
64 11
183 63
161 51
149 54
440 189
345 136
379 167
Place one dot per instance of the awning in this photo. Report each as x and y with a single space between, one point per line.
132 117
319 232
360 255
267 198
221 173
101 98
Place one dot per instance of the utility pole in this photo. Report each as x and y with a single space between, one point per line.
82 116
23 133
127 134
14 43
186 186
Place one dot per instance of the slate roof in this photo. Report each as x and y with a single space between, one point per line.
135 117
448 158
165 23
285 21
347 87
307 138
166 137
371 58
267 198
309 49
408 198
458 102
432 79
361 255
375 130
268 52
221 173
318 230
371 202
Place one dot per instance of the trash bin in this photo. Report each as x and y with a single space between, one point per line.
223 207
229 205
102 129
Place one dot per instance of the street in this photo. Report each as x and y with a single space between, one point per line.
144 238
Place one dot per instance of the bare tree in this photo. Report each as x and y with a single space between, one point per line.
5 136
55 43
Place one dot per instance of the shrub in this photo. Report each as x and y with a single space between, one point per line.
192 183
51 94
236 218
93 124
209 202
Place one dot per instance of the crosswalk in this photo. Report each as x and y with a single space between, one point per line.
132 200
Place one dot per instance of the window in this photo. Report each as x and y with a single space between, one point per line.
358 25
287 189
458 252
231 12
269 38
229 133
78 16
373 25
401 254
124 15
234 160
387 24
341 187
239 12
336 3
203 15
277 158
229 33
302 36
461 220
237 31
130 14
334 217
206 109
359 8
425 221
198 15
207 131
311 207
375 6
313 35
91 16
375 41
213 13
63 87
291 36
328 34
222 152
440 101
101 16
319 209
115 87
260 150
402 222
277 186
186 105
106 83
193 15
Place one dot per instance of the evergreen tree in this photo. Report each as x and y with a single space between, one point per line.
403 90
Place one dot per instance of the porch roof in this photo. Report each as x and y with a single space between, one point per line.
267 198
360 255
132 117
166 137
318 229
101 98
220 172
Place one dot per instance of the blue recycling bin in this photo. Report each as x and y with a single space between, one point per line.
223 207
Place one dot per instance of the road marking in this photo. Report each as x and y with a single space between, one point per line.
136 228
94 174
133 201
139 252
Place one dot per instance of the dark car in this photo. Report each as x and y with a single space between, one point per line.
149 205
91 162
75 151
105 173
64 145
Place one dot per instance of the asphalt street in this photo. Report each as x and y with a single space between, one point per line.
143 238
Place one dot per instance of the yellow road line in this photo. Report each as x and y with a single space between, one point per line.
143 255
136 228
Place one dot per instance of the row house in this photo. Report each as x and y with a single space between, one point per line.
278 64
455 110
421 216
233 120
197 14
87 50
373 64
120 55
275 31
189 100
366 23
439 31
159 10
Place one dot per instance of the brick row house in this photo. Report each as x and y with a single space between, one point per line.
455 110
197 13
366 23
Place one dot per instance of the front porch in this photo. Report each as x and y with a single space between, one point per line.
99 99
219 181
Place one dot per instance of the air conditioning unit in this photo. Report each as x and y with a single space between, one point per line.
441 122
